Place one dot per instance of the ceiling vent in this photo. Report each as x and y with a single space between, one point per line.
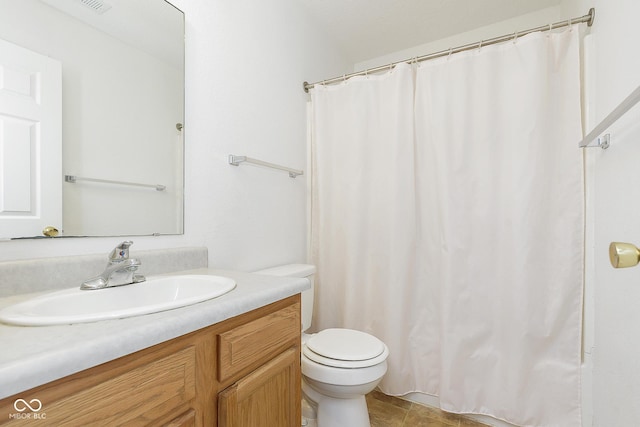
98 6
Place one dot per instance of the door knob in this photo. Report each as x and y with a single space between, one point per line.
623 255
50 231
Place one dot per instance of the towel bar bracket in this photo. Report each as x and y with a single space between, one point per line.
603 141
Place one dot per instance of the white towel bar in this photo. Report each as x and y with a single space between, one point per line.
236 160
617 112
73 179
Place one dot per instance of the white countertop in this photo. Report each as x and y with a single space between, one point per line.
32 356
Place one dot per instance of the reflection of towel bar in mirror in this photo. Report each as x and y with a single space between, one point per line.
236 160
73 179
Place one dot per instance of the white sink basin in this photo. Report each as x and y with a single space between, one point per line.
81 306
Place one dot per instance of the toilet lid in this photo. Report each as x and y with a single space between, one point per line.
345 348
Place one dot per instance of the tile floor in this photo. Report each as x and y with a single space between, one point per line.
388 411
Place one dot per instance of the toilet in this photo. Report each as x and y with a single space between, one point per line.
339 366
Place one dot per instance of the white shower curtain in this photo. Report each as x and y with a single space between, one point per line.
447 221
363 199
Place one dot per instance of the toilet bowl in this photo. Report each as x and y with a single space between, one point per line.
339 366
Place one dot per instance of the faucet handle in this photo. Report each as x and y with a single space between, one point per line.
120 252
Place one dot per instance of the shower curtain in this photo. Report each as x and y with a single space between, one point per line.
447 218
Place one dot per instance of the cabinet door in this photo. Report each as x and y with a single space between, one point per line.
136 397
267 397
245 347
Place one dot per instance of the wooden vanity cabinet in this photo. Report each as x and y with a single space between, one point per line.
261 398
244 371
266 377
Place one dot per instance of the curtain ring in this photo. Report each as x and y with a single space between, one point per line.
515 37
480 45
450 52
570 24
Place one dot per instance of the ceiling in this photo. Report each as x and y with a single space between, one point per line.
366 29
152 26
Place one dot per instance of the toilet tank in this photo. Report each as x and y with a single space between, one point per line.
297 270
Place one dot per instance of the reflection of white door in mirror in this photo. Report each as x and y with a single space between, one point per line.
30 142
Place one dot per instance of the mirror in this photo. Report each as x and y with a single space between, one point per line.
91 113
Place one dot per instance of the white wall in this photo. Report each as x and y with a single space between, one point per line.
614 69
245 64
523 22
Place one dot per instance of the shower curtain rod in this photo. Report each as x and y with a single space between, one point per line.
588 18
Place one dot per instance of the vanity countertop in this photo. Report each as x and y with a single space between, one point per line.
32 356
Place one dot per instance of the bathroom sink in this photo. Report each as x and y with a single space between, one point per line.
81 306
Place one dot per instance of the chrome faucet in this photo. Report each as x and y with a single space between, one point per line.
119 271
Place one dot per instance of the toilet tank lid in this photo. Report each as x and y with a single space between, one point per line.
289 270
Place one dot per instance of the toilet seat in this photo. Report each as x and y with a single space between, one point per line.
345 348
